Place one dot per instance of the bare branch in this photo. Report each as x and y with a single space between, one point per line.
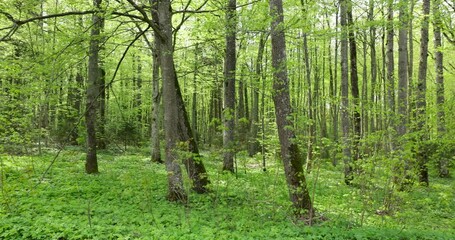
154 26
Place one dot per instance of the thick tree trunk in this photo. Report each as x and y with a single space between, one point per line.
176 191
193 164
440 99
177 125
422 156
229 88
290 154
94 74
345 123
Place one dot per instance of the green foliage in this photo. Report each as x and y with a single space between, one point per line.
127 200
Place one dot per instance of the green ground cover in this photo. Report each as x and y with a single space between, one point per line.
127 200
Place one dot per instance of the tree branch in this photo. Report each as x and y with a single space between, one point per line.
154 26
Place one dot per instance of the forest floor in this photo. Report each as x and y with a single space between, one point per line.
127 200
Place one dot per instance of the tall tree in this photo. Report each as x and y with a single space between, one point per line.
354 86
156 99
348 170
440 99
94 73
422 155
290 153
176 191
176 123
373 65
311 105
229 87
403 81
390 86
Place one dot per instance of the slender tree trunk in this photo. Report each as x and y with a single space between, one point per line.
333 90
194 103
390 83
138 96
101 138
422 155
156 98
411 84
401 128
254 143
229 87
403 68
311 118
440 99
290 154
91 163
364 96
374 68
354 87
348 171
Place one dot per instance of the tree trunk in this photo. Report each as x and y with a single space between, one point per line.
194 100
354 87
138 96
348 174
374 68
176 191
94 74
390 83
290 154
333 74
101 82
440 99
229 88
254 143
422 156
401 127
402 68
156 98
193 164
177 126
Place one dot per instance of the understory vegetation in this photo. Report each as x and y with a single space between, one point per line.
127 200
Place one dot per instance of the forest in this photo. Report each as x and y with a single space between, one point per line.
227 119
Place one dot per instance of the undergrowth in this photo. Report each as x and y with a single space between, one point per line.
127 200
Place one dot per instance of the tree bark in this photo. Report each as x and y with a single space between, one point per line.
290 154
176 191
374 68
94 74
390 81
156 99
422 155
402 68
229 88
401 127
354 87
440 99
345 123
